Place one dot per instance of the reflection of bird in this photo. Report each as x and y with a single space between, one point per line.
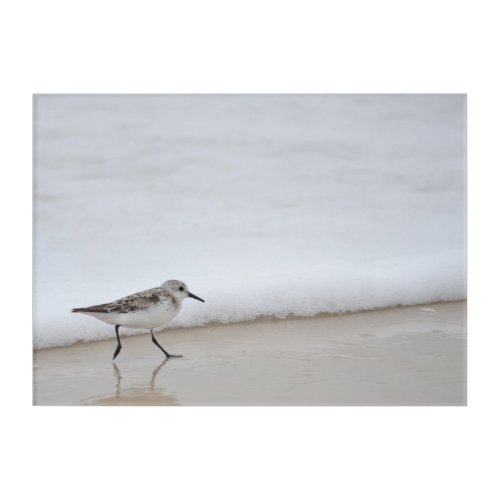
148 309
135 395
151 383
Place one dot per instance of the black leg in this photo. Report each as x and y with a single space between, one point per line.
164 352
119 346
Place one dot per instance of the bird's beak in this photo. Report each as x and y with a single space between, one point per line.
193 296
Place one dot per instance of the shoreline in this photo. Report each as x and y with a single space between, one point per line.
264 319
411 355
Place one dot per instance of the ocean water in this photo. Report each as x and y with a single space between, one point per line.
270 205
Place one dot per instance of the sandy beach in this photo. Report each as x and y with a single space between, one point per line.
401 356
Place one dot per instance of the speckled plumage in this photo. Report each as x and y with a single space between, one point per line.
139 301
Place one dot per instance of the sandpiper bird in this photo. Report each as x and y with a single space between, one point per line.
148 309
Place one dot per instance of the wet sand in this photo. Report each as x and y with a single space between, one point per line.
401 356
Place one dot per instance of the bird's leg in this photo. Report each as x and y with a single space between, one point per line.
119 346
164 352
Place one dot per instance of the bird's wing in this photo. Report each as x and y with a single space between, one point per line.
135 302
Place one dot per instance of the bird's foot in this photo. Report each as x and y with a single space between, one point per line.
118 349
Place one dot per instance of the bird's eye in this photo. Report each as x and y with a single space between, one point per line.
181 288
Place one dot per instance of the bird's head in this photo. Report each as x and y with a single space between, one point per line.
179 290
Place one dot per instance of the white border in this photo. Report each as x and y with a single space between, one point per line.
271 46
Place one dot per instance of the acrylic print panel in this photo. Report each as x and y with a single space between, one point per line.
289 214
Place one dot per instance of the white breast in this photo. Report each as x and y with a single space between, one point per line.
153 317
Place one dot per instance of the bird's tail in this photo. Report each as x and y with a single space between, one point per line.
92 309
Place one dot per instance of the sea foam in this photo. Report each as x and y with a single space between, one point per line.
264 205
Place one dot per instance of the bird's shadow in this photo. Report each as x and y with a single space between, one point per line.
135 395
